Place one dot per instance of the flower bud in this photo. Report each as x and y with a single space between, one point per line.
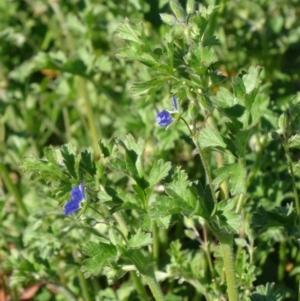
168 19
193 110
90 221
187 33
191 95
283 121
190 7
177 10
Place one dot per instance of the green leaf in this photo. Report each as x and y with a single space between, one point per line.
210 137
250 98
251 78
101 254
140 240
41 169
165 206
118 165
182 195
211 41
200 58
208 201
226 218
282 217
294 141
133 54
259 108
158 171
144 89
267 293
139 192
50 154
236 173
68 153
239 87
224 98
133 159
87 163
110 196
103 64
131 200
182 198
130 143
240 140
113 272
128 32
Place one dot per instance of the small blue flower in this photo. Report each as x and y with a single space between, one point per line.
164 117
77 197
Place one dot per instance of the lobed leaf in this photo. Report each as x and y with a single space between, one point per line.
159 170
210 137
101 254
140 240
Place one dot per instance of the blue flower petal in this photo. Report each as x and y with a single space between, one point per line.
77 197
81 188
71 207
175 103
164 118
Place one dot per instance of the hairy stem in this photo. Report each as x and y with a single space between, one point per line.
290 163
226 241
139 261
155 243
140 288
154 286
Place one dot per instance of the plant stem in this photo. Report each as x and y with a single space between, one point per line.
206 168
90 118
240 203
226 241
83 287
13 190
155 243
122 224
220 163
154 286
290 163
205 247
67 124
140 288
146 270
139 260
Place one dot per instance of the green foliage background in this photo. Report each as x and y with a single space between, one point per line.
60 82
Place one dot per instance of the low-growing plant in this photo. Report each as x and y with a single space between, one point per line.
131 207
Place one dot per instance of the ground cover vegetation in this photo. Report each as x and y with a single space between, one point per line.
149 150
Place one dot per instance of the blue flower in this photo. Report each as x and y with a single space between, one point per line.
164 117
77 197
